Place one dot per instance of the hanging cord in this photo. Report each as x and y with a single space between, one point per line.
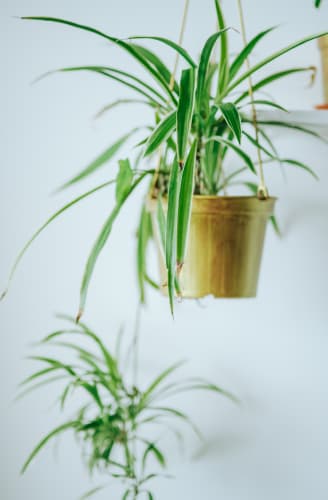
181 37
262 192
135 346
171 86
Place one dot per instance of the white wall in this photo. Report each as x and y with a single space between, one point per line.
270 351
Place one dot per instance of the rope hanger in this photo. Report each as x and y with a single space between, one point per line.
262 191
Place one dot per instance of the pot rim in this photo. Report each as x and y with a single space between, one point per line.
226 204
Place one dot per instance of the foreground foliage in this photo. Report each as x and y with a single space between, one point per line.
116 418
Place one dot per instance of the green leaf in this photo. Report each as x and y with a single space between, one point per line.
293 126
161 219
179 414
93 391
123 180
232 118
92 492
171 230
118 102
126 46
158 380
40 230
299 164
224 53
55 363
154 97
57 430
203 68
257 144
158 64
161 133
265 102
84 330
144 233
271 78
247 50
269 59
152 448
185 112
101 160
99 245
185 204
180 50
244 156
38 374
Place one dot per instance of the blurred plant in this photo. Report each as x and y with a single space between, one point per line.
198 120
317 3
116 417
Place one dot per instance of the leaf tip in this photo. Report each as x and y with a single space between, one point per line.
79 316
3 295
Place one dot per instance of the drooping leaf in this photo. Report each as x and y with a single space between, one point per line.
179 414
40 230
101 160
170 43
159 65
171 229
161 219
161 133
265 102
57 430
99 245
121 43
232 118
185 112
269 59
125 78
144 233
271 78
91 493
299 164
123 180
118 102
153 449
292 126
258 145
185 203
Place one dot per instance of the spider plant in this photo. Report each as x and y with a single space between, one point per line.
116 419
200 119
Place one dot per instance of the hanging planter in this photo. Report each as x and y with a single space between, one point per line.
211 243
224 247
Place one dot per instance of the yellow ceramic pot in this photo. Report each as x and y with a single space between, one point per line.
323 44
224 247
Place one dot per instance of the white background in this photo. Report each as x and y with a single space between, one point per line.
271 351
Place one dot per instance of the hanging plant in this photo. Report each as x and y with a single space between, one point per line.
116 418
209 242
